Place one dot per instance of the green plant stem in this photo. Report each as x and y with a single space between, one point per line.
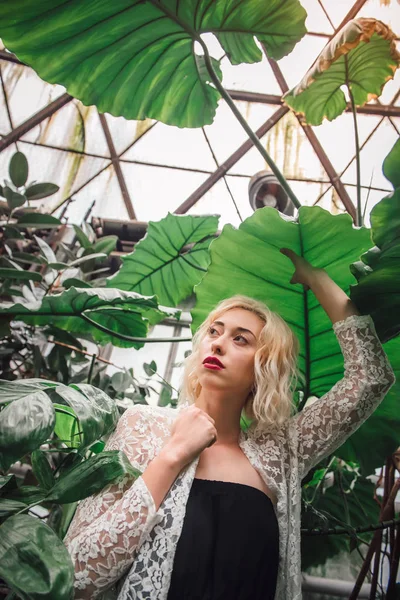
248 129
359 217
130 338
92 363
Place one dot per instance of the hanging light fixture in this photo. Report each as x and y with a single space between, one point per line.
265 190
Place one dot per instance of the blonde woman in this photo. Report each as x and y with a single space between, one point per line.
215 514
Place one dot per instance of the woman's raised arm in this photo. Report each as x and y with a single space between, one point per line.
368 375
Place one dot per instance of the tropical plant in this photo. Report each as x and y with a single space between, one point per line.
167 78
58 430
362 57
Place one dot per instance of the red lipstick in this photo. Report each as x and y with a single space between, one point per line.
212 362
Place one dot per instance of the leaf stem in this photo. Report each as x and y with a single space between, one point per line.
248 129
359 217
92 363
130 338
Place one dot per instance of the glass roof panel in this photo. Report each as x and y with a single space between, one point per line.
23 84
156 190
72 127
124 133
106 193
189 149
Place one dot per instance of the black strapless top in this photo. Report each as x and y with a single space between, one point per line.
229 545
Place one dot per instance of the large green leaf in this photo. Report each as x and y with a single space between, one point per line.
97 412
362 56
247 261
24 425
13 390
170 260
138 58
378 273
33 560
91 476
97 312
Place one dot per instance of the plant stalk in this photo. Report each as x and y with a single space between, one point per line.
359 216
248 129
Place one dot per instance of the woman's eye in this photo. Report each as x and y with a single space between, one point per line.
241 337
212 330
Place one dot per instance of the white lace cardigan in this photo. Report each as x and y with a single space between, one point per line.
118 535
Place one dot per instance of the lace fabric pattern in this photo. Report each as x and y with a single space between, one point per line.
117 535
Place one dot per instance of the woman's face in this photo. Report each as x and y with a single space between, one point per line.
232 339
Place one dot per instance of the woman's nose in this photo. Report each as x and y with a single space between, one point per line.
216 347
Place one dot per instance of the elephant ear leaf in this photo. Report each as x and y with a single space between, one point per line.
170 260
378 272
138 59
361 56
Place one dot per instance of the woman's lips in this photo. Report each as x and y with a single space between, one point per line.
212 366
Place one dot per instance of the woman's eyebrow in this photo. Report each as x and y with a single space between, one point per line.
236 328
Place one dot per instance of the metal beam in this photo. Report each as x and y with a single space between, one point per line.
34 120
232 160
317 147
117 167
384 110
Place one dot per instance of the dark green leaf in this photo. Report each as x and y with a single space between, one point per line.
41 190
33 560
82 237
27 258
106 244
91 476
18 169
9 507
121 381
14 199
24 425
170 260
37 221
73 282
150 369
12 233
165 397
20 275
42 470
58 266
7 483
13 390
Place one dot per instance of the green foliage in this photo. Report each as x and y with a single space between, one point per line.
247 261
170 260
361 56
162 76
105 314
24 425
377 291
17 192
343 498
33 560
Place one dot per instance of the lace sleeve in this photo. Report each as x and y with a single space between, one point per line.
329 421
109 526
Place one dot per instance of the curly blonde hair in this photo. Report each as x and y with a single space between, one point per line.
275 365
